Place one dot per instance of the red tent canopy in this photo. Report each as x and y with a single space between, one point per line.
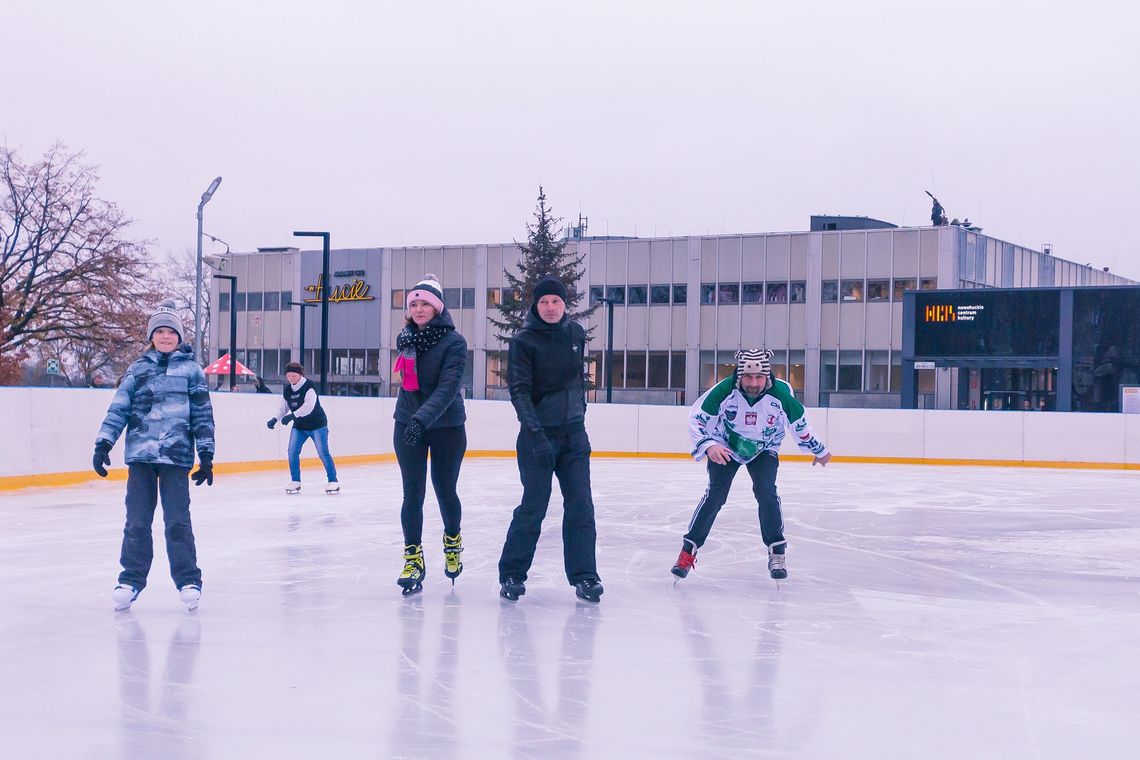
222 367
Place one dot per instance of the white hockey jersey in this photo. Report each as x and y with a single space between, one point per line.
749 427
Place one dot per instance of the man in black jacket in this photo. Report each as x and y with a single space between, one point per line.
547 386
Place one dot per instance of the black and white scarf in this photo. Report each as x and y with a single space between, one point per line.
421 340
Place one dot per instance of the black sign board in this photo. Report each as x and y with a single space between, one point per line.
985 323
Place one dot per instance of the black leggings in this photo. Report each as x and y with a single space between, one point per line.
447 447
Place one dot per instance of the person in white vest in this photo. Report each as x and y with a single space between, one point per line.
741 421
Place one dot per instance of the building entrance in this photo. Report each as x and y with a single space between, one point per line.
1007 388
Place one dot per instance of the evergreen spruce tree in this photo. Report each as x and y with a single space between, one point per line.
544 254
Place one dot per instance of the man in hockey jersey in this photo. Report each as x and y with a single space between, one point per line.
741 421
302 407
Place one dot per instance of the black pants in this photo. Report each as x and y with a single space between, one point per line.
447 446
571 464
145 483
762 469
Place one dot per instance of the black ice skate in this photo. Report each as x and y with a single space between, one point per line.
776 566
589 590
452 562
411 580
511 588
685 562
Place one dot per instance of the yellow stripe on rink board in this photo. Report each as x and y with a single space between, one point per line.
56 479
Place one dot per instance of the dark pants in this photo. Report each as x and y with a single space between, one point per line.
145 483
447 447
762 470
571 464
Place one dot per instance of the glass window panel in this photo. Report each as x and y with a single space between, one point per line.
796 371
597 292
617 371
253 302
852 291
286 297
827 370
223 301
777 292
829 293
677 370
878 372
878 290
635 369
658 373
493 296
638 294
272 301
708 293
467 300
752 292
239 299
397 299
451 298
799 292
617 293
680 294
929 283
658 294
728 293
904 285
850 371
496 369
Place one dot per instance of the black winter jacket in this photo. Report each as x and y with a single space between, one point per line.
545 375
439 401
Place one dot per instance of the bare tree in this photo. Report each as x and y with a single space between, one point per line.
67 269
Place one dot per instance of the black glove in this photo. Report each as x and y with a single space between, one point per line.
205 471
287 419
414 433
272 423
540 445
102 448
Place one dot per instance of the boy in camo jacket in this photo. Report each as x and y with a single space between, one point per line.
164 404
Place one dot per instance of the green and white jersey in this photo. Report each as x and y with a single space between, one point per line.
749 426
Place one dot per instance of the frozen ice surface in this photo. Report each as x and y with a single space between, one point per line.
930 612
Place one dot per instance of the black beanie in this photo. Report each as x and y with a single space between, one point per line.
550 286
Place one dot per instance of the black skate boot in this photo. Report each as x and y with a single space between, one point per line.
685 561
511 588
776 565
589 590
452 562
411 580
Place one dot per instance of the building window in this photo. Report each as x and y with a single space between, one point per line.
658 294
878 372
286 297
777 292
928 283
617 293
708 293
597 293
752 292
467 299
254 301
680 294
635 369
223 301
272 301
638 295
677 370
239 301
510 296
451 298
496 369
493 296
796 371
903 285
852 291
397 299
799 292
829 293
658 373
850 370
827 369
728 293
878 290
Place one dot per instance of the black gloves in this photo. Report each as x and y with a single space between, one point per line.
540 445
272 423
284 421
414 433
100 458
205 471
287 419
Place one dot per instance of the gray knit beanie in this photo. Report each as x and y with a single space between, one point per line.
165 317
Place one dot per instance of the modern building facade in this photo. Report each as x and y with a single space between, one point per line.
827 302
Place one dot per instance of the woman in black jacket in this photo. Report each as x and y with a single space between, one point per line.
429 417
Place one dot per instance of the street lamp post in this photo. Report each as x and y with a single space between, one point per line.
303 307
198 342
324 303
609 302
233 325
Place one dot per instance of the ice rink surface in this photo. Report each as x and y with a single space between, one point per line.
934 612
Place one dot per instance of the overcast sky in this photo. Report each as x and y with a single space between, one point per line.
417 123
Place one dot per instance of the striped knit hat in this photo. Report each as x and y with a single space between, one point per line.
165 317
751 361
428 289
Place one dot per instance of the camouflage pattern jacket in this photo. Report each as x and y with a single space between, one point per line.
164 403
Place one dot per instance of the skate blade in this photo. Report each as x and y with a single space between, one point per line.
332 491
409 590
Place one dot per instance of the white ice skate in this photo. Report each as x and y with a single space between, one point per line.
332 488
293 487
122 596
190 594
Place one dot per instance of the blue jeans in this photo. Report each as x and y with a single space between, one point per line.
320 438
145 483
